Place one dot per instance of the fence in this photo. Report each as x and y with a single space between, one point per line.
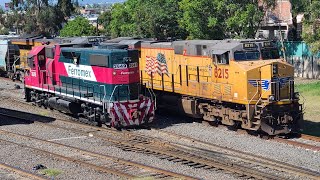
306 64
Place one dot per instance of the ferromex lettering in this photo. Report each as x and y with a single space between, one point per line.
78 72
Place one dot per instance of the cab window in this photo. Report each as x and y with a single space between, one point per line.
270 54
42 60
246 55
222 58
31 62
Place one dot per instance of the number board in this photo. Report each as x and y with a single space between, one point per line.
267 44
249 45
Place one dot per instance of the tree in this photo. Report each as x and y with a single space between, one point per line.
311 27
38 16
104 19
78 27
66 7
146 18
299 6
218 19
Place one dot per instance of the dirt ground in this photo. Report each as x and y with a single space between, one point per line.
310 96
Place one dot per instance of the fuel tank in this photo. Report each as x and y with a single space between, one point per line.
64 105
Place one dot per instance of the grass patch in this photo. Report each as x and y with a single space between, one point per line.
44 113
310 95
310 89
51 172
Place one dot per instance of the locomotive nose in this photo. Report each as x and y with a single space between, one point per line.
277 81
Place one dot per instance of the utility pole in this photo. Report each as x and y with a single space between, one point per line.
281 37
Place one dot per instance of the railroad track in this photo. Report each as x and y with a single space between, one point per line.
309 137
288 141
248 157
110 164
22 172
278 139
296 143
194 157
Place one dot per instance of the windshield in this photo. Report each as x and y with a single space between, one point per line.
270 54
246 55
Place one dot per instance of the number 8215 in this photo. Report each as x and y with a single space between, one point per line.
221 73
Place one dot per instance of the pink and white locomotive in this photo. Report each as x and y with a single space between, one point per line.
98 86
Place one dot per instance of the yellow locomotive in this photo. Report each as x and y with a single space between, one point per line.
235 82
24 45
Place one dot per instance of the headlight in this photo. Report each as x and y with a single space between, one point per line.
275 68
296 95
114 73
271 98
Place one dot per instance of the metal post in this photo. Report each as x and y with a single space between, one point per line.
180 74
151 80
198 75
162 82
187 75
172 81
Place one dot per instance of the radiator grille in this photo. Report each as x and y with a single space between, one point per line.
217 88
227 90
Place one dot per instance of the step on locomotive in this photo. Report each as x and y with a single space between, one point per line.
97 86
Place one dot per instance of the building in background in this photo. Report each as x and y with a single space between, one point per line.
278 22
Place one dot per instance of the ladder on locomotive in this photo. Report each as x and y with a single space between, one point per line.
11 59
258 108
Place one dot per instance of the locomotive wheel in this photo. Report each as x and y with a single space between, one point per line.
234 127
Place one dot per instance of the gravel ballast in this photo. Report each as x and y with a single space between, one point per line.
10 98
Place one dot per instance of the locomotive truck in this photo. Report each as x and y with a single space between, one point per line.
97 86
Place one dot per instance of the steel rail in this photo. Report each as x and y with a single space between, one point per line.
135 146
288 141
153 172
251 158
147 145
138 143
296 143
22 172
85 164
309 137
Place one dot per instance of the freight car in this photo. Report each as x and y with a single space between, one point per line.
8 52
234 82
98 86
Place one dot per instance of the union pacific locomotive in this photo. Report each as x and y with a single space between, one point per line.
234 82
98 86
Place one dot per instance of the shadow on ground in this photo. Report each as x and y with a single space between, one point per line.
311 128
166 118
29 117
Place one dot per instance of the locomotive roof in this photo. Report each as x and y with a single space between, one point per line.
93 50
202 47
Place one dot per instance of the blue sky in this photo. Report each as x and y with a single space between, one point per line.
2 2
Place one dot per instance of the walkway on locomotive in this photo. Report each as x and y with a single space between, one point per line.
238 71
90 74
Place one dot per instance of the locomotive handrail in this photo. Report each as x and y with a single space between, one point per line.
252 99
104 96
14 64
113 93
155 97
